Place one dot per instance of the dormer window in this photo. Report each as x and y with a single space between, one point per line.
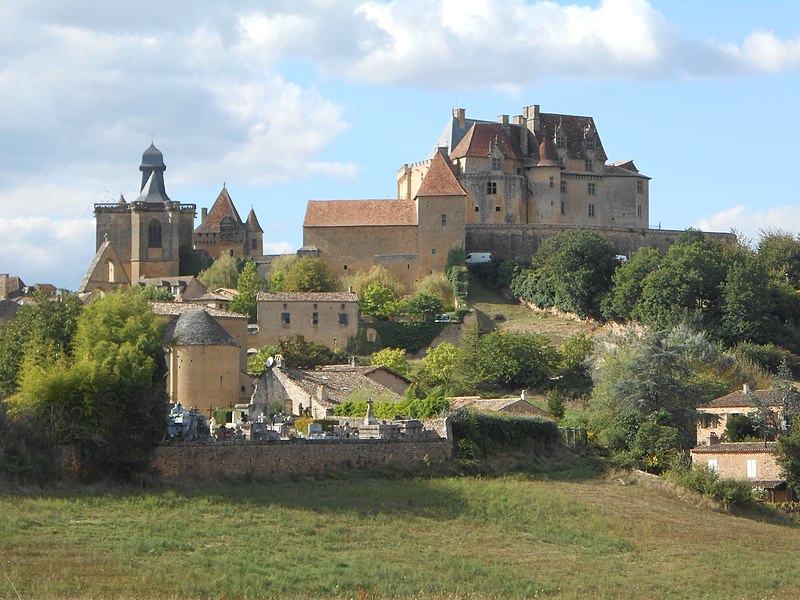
590 143
497 164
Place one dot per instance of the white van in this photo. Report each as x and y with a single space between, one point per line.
474 258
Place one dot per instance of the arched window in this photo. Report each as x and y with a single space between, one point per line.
154 234
110 272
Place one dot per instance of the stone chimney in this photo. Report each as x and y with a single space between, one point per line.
746 388
503 120
523 133
524 395
203 215
3 285
460 114
712 439
531 113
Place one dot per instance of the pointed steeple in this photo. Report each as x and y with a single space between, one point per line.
222 209
152 169
252 222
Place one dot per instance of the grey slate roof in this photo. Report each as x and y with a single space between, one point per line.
197 328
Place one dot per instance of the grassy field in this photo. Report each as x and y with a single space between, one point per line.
417 538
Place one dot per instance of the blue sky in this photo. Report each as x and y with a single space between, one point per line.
326 99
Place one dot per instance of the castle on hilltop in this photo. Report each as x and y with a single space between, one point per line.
499 187
149 237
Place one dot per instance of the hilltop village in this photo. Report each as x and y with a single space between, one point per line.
493 202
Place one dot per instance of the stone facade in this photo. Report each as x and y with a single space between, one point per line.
542 168
148 234
714 415
222 230
328 318
512 241
288 458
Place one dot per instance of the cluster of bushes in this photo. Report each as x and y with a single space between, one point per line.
706 481
419 408
413 336
479 434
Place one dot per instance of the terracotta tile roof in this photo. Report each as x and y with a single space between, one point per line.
178 308
439 180
307 297
548 157
223 207
482 137
735 448
337 213
737 399
339 383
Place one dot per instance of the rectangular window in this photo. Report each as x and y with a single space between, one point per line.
591 210
444 220
639 210
497 164
592 188
491 187
286 318
563 186
433 250
315 318
253 244
712 464
552 182
496 209
751 469
563 208
342 318
560 161
477 209
639 186
588 164
590 143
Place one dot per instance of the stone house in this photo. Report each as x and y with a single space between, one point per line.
715 414
753 461
328 318
315 392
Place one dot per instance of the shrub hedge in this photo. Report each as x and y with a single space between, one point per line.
413 336
476 433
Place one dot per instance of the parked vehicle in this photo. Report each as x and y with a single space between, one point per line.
475 258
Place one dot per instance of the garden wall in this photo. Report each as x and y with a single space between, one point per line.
280 459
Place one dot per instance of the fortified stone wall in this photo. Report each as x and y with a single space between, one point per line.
279 459
510 241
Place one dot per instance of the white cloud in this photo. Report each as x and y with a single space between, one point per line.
279 248
765 52
751 222
46 250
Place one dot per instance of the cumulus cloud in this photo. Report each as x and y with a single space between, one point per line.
751 222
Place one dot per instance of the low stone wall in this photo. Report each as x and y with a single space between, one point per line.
510 241
293 457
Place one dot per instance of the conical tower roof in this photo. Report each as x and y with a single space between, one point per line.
252 222
198 328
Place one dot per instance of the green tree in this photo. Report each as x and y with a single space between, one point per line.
153 294
747 309
443 368
516 360
221 274
780 253
687 287
780 409
310 274
360 280
740 428
108 398
572 272
436 284
663 370
257 363
458 277
379 300
555 403
627 284
43 327
424 306
787 455
301 353
248 285
392 358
